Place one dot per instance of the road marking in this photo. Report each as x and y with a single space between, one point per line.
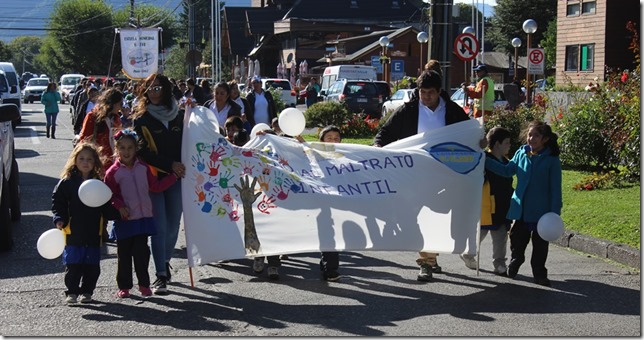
34 135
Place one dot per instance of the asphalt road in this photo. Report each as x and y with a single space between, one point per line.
378 294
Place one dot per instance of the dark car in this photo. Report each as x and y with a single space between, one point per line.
10 193
359 96
384 91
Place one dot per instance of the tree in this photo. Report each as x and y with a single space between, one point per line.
175 63
507 22
549 44
25 48
5 52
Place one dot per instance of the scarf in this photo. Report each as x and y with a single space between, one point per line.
162 113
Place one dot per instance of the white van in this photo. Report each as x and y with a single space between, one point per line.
5 95
349 72
14 94
67 84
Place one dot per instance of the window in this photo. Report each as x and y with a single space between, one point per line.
395 4
572 9
588 7
354 4
580 57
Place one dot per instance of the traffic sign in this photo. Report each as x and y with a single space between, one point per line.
466 46
397 69
375 62
536 61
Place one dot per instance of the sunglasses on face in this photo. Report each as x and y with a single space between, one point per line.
155 88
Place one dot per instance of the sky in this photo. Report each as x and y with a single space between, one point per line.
24 14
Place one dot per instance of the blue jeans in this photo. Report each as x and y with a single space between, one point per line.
167 209
51 118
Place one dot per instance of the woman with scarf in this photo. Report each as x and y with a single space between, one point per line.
159 126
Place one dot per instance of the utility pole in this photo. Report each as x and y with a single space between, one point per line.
191 38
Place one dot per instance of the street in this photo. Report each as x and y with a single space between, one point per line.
378 294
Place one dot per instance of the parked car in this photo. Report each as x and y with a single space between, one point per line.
499 100
288 93
9 176
398 99
34 89
384 91
357 95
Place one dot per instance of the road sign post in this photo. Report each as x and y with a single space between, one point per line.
536 61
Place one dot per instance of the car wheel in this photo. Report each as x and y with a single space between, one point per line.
14 192
6 235
25 100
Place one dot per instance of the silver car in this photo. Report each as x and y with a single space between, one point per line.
399 98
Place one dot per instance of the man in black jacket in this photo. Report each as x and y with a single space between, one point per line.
261 106
429 108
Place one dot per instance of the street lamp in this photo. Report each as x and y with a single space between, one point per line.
516 43
529 26
422 38
430 27
384 42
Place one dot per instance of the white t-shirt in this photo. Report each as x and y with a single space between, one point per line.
221 115
429 120
261 109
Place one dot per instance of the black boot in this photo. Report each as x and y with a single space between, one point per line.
53 132
47 131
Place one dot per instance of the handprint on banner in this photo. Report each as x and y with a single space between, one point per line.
234 213
217 153
278 179
266 170
224 178
294 187
201 196
236 151
206 205
263 183
221 211
213 170
248 168
266 204
198 163
198 177
201 147
247 153
231 162
222 141
284 163
209 186
281 194
226 197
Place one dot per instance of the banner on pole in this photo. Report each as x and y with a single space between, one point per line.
139 52
278 196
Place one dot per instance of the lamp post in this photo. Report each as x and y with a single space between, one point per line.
516 43
430 27
469 30
422 38
384 42
529 26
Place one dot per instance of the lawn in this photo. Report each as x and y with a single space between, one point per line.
609 214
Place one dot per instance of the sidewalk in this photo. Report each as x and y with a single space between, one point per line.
619 253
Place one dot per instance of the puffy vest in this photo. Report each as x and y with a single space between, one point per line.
488 96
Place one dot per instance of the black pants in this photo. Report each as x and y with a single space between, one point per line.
135 247
520 235
330 261
88 273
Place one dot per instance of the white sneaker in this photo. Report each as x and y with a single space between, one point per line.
258 265
470 261
501 270
71 299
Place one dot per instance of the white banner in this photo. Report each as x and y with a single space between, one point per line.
139 52
278 196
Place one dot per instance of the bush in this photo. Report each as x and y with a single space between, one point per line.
277 98
360 126
515 121
322 114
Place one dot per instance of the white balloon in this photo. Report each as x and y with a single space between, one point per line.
94 193
550 227
258 127
292 121
51 244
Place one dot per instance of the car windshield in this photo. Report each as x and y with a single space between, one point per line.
38 82
279 83
71 80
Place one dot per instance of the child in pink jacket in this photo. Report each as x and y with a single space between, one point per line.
131 182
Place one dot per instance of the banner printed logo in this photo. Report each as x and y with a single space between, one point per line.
458 157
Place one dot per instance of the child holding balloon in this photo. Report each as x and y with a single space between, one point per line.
538 191
131 181
81 223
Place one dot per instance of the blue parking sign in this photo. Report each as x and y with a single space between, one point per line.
397 69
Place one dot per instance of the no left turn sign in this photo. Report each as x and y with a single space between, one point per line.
466 46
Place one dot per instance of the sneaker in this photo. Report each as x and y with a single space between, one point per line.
159 287
283 257
168 271
258 265
123 293
470 261
331 275
542 281
71 299
512 271
86 298
425 273
436 268
501 270
145 291
273 273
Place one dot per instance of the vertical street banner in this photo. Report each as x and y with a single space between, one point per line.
275 195
139 52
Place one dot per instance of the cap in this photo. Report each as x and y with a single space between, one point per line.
480 67
256 79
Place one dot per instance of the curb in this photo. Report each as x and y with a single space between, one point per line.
617 252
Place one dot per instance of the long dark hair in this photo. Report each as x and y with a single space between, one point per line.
546 131
144 101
